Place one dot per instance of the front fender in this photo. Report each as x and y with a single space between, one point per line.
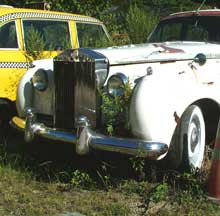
25 89
157 102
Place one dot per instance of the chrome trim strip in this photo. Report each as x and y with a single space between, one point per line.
87 138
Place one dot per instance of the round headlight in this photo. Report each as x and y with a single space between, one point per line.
40 80
116 84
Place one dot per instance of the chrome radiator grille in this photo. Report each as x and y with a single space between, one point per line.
76 87
64 94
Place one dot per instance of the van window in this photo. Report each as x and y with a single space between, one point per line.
8 36
91 35
46 35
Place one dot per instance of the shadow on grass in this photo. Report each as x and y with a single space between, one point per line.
50 160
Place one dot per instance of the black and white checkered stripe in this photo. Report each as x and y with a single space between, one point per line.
15 64
11 16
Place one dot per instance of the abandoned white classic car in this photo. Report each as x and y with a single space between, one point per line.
174 105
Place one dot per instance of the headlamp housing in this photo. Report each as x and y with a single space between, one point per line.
40 80
116 84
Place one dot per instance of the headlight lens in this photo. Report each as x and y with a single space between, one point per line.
40 80
116 84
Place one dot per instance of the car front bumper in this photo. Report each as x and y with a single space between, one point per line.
86 138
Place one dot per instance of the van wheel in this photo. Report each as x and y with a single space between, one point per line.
4 122
192 138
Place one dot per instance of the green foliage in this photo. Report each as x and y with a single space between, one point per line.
81 179
115 111
104 176
116 209
89 42
90 35
101 10
192 182
160 192
137 163
139 24
55 41
35 43
165 7
22 189
134 187
127 21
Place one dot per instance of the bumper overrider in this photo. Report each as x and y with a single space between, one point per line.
86 138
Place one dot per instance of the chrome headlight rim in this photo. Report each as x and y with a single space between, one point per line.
40 80
118 90
102 74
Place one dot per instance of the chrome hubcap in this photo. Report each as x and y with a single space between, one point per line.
194 136
194 140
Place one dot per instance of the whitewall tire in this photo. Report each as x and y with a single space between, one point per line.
187 146
192 137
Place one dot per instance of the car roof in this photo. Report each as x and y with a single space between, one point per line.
210 12
8 13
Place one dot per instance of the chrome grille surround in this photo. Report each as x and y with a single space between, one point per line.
76 87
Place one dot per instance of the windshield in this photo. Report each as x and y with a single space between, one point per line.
194 28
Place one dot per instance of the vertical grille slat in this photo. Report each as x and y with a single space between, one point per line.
85 91
64 95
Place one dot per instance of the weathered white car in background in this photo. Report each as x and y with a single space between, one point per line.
174 105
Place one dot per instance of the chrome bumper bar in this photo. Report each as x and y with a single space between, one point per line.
86 138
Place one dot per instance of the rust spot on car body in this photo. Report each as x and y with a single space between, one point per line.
176 117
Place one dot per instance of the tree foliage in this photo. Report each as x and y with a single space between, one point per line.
139 23
132 18
97 7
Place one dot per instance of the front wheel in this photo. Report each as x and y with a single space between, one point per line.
192 137
188 143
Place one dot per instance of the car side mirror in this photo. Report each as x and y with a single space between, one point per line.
200 59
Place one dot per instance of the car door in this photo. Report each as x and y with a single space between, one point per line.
13 62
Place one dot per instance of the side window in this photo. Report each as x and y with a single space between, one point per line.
42 35
91 35
8 36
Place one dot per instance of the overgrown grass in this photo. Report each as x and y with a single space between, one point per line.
47 178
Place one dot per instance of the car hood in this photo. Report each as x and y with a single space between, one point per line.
152 52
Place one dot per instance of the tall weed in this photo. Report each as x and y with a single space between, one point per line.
139 24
